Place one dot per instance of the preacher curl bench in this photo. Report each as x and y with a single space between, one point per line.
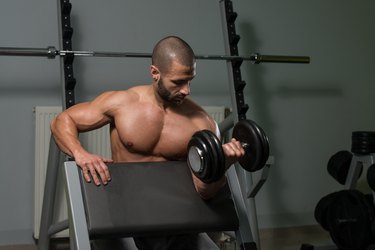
142 199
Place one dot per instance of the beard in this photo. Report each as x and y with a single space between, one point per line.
167 96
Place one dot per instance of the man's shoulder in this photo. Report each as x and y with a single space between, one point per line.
197 113
121 95
192 107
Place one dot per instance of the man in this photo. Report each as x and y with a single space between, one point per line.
151 122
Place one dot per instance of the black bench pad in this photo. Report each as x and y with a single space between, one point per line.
154 198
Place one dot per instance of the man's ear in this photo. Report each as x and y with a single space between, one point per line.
155 73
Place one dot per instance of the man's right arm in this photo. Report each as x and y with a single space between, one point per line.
79 118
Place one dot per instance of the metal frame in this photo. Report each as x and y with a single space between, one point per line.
358 162
47 228
78 231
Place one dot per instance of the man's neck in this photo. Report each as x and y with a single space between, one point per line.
156 98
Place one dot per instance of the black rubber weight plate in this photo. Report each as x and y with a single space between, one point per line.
245 132
220 154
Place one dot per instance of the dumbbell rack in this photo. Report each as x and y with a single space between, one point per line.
362 160
358 164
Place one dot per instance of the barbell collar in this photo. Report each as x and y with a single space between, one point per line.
258 58
51 52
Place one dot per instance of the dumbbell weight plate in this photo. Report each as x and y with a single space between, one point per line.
256 155
206 156
363 134
208 137
266 146
339 164
362 141
362 151
220 157
321 209
371 176
349 220
199 160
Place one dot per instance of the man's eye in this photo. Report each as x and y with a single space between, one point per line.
179 82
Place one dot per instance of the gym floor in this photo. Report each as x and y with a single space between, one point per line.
271 239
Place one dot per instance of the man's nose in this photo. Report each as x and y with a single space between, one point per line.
185 89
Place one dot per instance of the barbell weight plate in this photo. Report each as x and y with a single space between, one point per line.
349 220
256 155
220 157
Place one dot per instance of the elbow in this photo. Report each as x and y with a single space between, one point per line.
206 196
52 125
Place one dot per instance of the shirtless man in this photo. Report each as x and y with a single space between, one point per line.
147 123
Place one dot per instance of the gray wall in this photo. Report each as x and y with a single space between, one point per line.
308 111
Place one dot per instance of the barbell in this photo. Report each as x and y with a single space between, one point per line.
51 52
206 157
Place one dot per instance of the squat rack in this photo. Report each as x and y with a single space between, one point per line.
248 239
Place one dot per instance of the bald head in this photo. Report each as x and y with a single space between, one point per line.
171 49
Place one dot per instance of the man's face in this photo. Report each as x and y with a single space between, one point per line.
174 86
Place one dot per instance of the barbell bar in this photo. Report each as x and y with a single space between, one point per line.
51 52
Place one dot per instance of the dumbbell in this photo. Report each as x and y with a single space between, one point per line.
371 176
339 164
206 157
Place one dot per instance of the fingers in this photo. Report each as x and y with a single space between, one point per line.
233 149
94 169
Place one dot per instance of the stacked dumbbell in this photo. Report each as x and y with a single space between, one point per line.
349 215
363 142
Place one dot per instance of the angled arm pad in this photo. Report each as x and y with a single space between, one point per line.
155 198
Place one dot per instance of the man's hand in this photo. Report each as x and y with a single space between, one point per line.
232 151
93 167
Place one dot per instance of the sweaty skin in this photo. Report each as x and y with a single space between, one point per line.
148 123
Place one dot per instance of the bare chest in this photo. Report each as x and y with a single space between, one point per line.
154 134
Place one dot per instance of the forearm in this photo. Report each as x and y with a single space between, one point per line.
66 135
208 190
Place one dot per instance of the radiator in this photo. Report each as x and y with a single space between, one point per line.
97 142
43 117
